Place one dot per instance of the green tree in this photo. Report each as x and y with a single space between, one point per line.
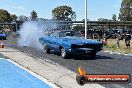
33 15
13 17
126 10
22 18
114 17
63 13
78 27
4 16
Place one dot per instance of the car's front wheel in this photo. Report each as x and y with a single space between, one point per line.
63 53
46 49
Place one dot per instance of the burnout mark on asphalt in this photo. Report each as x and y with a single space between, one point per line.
15 77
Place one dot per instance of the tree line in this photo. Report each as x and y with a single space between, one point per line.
59 13
6 17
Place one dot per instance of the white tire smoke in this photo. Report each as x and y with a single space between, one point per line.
29 35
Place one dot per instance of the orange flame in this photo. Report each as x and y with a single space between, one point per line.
81 71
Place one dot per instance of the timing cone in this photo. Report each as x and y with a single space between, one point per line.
2 45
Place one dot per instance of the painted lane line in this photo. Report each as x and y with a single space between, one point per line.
34 74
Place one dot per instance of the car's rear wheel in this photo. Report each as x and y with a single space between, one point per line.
46 49
63 53
4 38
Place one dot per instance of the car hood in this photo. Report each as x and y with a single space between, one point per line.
74 40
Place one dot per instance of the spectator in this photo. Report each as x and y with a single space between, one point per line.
118 38
127 39
104 41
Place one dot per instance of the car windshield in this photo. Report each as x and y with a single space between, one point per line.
69 33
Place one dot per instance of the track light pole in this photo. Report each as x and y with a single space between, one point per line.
85 19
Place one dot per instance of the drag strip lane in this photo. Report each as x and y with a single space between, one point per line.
103 63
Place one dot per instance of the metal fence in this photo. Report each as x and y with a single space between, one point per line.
96 29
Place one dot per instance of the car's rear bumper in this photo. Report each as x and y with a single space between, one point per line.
2 38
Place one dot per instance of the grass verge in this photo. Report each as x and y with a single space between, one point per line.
112 46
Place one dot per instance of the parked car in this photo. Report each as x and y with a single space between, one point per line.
68 42
3 36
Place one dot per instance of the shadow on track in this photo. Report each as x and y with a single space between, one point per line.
76 57
90 58
70 56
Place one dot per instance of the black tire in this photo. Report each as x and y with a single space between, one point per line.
92 54
80 80
63 53
4 38
46 49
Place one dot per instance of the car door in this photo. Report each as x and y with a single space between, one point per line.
53 41
56 42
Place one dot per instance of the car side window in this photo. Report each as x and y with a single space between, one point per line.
62 34
54 35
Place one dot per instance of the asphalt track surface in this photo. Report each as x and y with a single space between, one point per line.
104 63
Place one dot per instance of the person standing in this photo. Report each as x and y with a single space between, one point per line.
118 38
127 39
104 41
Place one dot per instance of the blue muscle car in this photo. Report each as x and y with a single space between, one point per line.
67 42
